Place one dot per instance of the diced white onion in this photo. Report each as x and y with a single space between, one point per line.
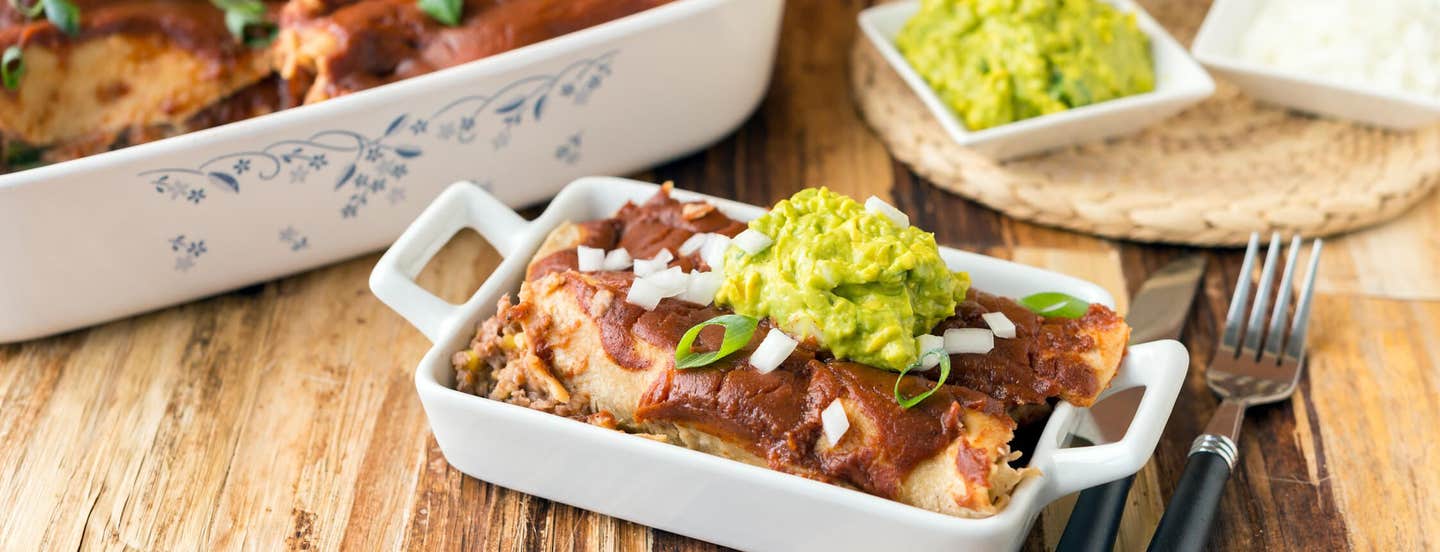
928 342
835 422
693 244
880 207
617 259
752 241
702 287
671 281
646 267
590 259
664 256
1000 324
969 340
644 294
772 351
713 252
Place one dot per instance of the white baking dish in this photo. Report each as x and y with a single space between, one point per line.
692 493
131 230
1179 83
1216 44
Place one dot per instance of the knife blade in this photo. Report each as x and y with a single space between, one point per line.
1158 311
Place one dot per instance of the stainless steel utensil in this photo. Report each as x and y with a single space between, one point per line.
1252 365
1158 311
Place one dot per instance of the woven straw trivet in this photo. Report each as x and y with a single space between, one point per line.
1209 176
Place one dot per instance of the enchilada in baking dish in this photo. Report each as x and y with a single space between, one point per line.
589 337
114 73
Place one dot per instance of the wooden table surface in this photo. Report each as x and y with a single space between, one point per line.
284 415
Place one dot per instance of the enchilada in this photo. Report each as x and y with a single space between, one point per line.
572 344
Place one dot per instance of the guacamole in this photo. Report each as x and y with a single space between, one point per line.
999 61
851 279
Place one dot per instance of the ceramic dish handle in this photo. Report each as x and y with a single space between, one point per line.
1080 468
461 205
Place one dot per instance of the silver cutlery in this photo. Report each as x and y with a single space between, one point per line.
1256 362
1158 311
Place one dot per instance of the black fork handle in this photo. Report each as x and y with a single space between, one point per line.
1096 518
1185 527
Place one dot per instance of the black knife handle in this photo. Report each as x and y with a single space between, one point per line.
1096 518
1185 527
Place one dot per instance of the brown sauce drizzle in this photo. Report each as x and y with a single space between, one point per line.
777 415
1041 362
194 25
662 222
389 40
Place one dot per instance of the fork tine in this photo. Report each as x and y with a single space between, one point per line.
1298 329
1231 338
1256 328
1275 338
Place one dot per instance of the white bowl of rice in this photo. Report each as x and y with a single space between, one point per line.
1371 61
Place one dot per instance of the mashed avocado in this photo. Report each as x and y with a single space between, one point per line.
999 61
851 279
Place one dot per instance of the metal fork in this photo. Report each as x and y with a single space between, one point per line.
1252 365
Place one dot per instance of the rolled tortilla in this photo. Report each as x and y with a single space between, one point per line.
557 350
572 345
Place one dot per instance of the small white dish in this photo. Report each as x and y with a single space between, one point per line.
1179 83
693 493
1219 37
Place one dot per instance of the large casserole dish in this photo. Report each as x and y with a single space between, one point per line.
151 225
693 493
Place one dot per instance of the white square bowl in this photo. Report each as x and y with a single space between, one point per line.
1179 83
1215 47
692 493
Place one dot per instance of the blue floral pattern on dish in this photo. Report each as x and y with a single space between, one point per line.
186 251
293 239
364 168
569 151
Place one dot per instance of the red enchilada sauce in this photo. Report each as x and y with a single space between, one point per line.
643 230
194 25
382 41
776 415
1040 363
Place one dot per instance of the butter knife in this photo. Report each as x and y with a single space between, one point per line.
1158 311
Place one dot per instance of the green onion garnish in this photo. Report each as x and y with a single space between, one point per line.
241 15
30 12
944 375
11 67
738 330
63 14
1053 304
444 11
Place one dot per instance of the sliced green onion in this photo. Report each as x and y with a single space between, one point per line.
1053 304
11 67
738 330
444 11
241 15
63 14
944 375
30 12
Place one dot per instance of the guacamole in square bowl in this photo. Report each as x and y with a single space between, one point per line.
999 61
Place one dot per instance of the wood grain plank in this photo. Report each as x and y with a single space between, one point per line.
1374 378
1399 259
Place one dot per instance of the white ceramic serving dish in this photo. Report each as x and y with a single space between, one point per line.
692 493
1220 35
1179 83
152 225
